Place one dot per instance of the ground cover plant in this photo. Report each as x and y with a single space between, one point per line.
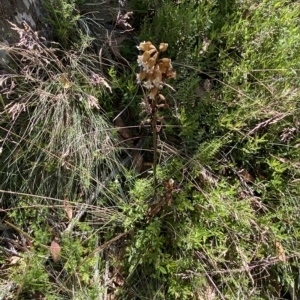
121 179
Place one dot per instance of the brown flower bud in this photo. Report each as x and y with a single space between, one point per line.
163 47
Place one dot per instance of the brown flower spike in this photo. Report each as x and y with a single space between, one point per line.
153 74
154 71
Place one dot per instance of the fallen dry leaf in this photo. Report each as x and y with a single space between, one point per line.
246 176
55 250
280 253
14 259
68 209
64 80
119 280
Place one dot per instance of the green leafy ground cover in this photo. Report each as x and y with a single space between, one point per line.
80 215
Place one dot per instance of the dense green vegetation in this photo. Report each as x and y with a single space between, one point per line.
98 202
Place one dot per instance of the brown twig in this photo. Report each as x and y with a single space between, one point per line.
270 121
